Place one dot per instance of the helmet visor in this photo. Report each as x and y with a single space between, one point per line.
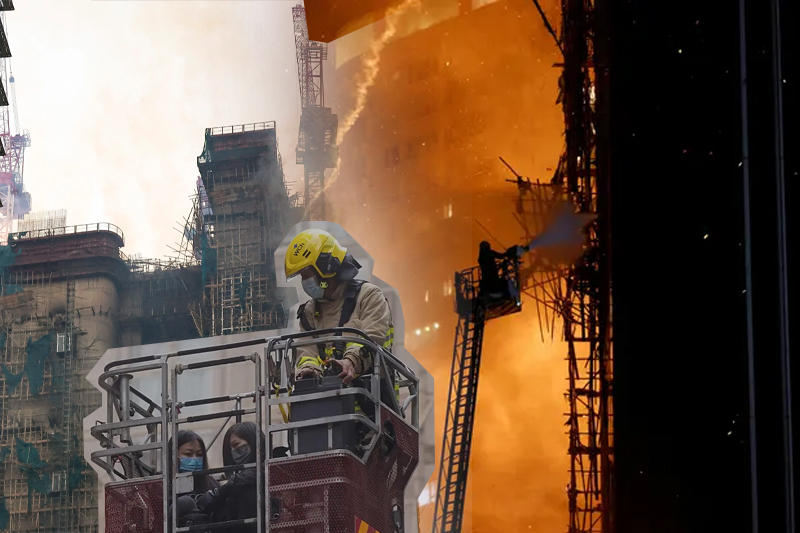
306 273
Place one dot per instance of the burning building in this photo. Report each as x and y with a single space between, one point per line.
420 183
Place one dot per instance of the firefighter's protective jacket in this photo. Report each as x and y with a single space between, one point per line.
371 315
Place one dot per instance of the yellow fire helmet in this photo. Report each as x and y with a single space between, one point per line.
314 248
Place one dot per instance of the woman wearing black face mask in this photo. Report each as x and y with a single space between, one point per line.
238 498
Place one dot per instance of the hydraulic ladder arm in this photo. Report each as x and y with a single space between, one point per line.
473 311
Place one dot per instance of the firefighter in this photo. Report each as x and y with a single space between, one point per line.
490 283
337 299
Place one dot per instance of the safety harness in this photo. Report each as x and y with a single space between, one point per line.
350 298
349 305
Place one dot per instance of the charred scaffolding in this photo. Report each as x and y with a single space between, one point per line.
584 299
579 292
60 290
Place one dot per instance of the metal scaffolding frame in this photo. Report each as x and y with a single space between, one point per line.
580 293
60 495
585 296
245 217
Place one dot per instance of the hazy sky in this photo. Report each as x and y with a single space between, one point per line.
117 96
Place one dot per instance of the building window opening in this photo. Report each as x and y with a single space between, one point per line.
447 288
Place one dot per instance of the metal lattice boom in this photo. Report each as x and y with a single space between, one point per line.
15 201
316 145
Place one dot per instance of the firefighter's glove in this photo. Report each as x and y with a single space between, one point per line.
348 372
307 373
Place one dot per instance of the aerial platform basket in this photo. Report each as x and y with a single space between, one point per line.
330 488
469 296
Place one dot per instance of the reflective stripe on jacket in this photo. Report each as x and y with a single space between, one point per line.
371 315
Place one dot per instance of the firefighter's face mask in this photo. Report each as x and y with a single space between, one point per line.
313 287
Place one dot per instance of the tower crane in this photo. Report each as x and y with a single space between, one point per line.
317 150
15 201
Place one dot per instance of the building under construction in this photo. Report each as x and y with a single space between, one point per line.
247 215
68 294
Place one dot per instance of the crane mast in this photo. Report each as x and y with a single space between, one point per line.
317 148
15 201
12 90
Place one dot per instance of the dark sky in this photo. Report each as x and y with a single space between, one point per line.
681 351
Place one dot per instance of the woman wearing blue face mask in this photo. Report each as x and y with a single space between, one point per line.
238 498
191 458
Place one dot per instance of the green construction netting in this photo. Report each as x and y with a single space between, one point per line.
4 452
37 480
37 353
4 514
13 289
12 380
7 258
33 466
2 339
76 468
28 455
208 261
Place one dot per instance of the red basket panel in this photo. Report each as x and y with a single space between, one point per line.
326 494
135 506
